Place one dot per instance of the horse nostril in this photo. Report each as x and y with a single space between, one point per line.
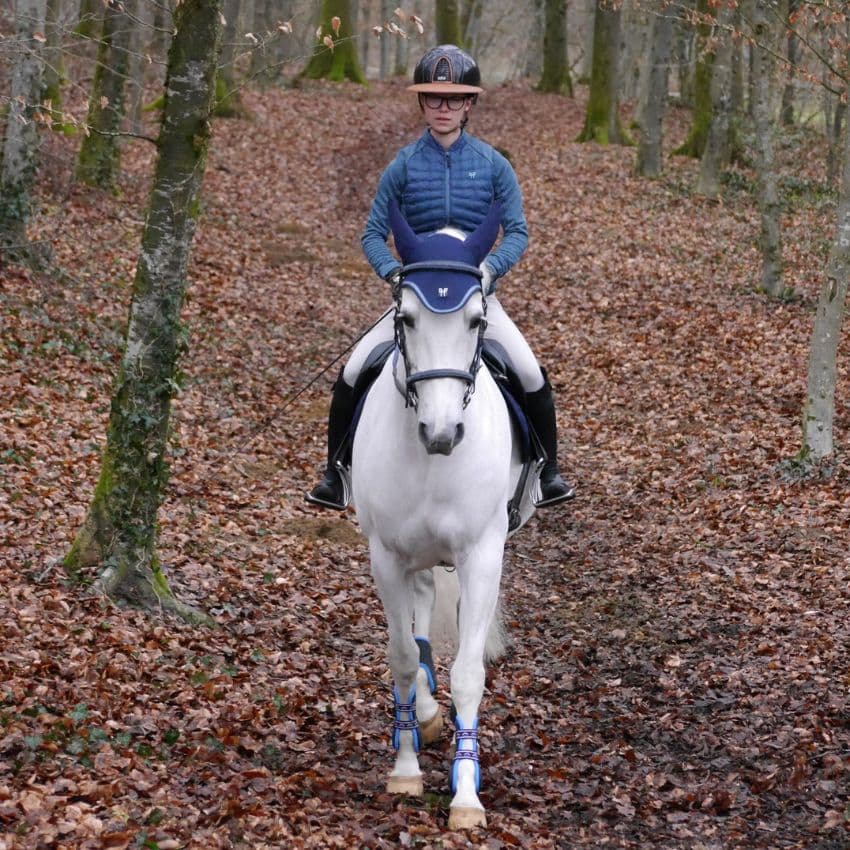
459 431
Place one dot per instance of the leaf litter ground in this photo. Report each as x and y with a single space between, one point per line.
678 675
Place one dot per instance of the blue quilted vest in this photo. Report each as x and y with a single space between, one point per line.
447 188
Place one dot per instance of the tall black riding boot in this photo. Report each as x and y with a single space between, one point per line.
331 491
540 407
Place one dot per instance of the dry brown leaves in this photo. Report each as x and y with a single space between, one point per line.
678 675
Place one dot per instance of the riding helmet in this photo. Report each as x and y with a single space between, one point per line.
446 70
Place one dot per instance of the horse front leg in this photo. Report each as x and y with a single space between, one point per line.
427 709
395 588
479 577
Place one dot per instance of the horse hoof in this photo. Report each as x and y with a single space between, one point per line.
410 785
430 730
465 817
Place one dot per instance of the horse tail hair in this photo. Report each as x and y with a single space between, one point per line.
444 633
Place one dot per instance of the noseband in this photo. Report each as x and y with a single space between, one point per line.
411 399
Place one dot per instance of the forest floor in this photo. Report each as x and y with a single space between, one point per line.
679 669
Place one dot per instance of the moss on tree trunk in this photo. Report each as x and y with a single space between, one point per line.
100 153
119 534
694 144
447 22
556 73
602 119
341 62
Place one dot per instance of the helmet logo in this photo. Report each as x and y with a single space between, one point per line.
443 70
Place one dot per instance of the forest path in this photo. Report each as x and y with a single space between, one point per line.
678 672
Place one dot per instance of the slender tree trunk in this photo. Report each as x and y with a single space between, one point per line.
54 58
20 146
556 70
786 113
138 63
447 22
89 21
341 62
717 152
602 118
119 534
819 409
695 142
534 46
768 191
402 55
228 98
386 46
652 110
100 152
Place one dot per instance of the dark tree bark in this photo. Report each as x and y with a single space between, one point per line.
20 145
119 533
447 22
652 109
556 72
770 207
792 46
602 118
340 62
100 152
701 121
54 59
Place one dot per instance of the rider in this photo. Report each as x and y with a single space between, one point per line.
448 179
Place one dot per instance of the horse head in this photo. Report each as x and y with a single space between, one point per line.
441 314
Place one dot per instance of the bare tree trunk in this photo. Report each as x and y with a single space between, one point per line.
341 62
718 149
534 47
402 54
100 152
695 142
384 66
819 409
602 118
53 77
119 534
556 70
786 113
138 63
652 110
768 192
20 147
228 98
447 21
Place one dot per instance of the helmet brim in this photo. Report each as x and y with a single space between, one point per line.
444 88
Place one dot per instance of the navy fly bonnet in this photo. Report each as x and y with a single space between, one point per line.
441 269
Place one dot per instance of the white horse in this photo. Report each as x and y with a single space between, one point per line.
434 465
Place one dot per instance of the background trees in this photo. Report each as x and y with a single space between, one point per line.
646 66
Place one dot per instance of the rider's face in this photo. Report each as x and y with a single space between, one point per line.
442 119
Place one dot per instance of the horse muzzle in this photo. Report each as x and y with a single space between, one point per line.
440 442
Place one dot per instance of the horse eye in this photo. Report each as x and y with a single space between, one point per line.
476 323
407 321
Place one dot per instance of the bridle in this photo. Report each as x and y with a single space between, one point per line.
411 398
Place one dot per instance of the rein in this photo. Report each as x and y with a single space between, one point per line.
411 398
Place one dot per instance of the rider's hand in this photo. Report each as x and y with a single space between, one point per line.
394 280
487 286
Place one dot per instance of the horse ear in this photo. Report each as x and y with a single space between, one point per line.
405 239
482 238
